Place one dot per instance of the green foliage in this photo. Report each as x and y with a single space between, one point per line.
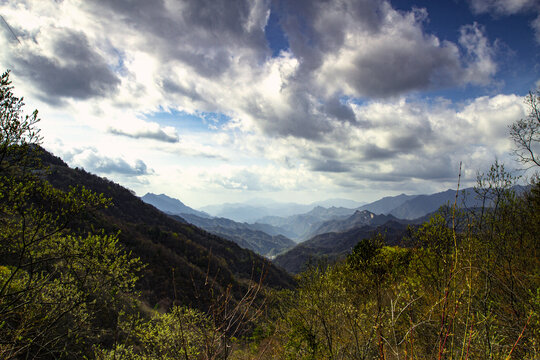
469 292
17 131
59 291
181 333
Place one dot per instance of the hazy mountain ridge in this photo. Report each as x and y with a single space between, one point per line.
358 219
264 239
255 209
302 225
170 205
422 205
245 212
386 204
249 236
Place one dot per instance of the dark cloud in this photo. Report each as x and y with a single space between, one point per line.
317 27
374 152
76 72
334 108
379 177
328 152
329 166
119 166
428 167
151 133
406 143
204 34
394 67
301 121
394 56
421 166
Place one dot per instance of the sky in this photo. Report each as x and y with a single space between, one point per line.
214 101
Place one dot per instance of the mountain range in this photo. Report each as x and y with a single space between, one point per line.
261 238
264 239
256 209
327 232
300 227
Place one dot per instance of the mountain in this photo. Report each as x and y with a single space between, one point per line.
301 225
424 204
170 205
386 204
410 207
358 219
333 246
249 236
264 239
180 258
340 203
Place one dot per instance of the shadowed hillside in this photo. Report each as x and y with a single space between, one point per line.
336 245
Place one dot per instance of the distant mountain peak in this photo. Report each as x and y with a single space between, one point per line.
170 205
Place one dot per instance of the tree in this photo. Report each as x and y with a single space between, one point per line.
17 131
60 290
526 132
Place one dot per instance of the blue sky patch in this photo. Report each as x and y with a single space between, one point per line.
181 120
274 35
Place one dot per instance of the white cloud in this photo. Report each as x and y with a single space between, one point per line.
148 130
92 160
506 7
334 110
536 26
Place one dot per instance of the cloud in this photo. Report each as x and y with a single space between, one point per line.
201 34
367 48
536 26
147 130
62 64
480 55
119 166
332 166
267 178
213 56
91 160
504 7
335 108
